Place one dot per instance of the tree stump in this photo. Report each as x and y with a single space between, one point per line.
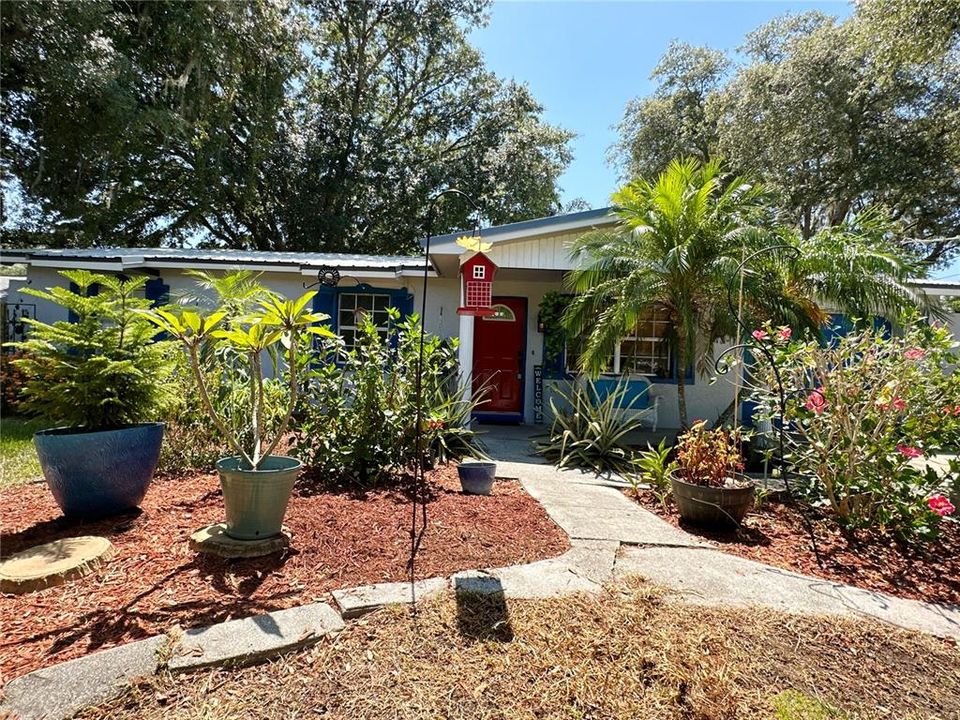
54 563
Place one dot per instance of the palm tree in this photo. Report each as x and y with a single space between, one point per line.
678 241
678 246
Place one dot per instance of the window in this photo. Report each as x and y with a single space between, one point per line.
353 307
646 351
501 313
479 272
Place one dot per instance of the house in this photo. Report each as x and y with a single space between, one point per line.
503 351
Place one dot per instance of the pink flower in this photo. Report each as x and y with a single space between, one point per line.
816 402
898 404
785 333
941 505
909 451
760 335
915 354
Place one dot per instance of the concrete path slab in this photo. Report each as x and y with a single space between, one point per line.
584 568
666 555
544 579
62 690
712 577
356 601
250 639
588 511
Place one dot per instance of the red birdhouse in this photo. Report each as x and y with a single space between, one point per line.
478 273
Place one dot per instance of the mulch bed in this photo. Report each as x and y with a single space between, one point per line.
777 535
340 538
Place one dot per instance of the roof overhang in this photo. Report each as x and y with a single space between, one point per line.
525 230
101 260
938 287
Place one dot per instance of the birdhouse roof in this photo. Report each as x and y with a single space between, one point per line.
477 259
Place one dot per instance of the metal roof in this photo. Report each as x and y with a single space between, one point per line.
524 228
130 258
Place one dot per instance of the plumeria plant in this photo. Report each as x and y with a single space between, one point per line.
863 414
249 335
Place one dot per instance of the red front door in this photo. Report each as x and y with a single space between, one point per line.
498 356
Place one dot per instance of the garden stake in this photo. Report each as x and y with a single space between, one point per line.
416 535
723 368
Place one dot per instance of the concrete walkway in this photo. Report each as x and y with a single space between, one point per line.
614 537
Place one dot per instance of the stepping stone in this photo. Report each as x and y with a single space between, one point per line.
245 641
54 563
356 601
214 540
63 690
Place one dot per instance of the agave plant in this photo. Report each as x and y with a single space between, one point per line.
590 432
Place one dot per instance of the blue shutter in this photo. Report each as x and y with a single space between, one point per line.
71 315
325 301
157 291
838 326
402 301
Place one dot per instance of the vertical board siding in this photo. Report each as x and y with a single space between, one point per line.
547 253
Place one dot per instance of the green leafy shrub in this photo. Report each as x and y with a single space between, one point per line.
591 433
104 370
655 467
191 441
357 420
862 415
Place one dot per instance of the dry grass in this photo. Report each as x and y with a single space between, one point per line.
628 654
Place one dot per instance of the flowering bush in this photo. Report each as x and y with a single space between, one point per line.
12 381
708 457
862 417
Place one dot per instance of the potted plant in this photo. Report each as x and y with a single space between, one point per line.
708 485
256 484
101 377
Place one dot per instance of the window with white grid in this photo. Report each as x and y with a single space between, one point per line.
479 272
353 307
645 351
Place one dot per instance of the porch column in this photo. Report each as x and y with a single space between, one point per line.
466 358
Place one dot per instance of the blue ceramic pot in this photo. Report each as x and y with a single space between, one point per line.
92 474
476 477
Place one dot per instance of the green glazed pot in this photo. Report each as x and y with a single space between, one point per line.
256 500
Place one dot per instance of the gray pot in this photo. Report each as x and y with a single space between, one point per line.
476 477
718 507
256 500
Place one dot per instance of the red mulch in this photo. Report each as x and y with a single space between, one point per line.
777 535
340 539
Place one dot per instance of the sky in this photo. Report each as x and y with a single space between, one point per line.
585 60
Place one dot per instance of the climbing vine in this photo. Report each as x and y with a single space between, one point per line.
550 321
